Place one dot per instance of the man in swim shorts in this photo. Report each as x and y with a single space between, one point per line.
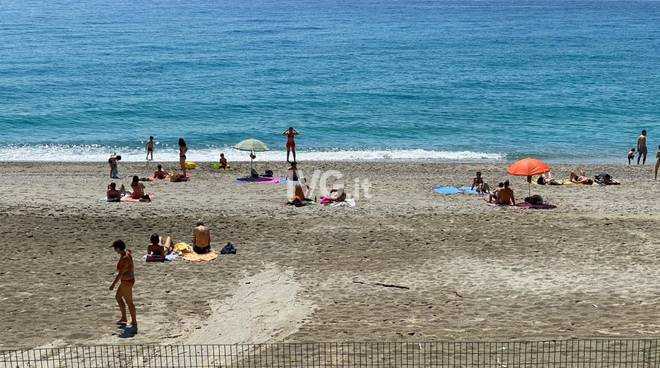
201 238
505 196
150 149
642 150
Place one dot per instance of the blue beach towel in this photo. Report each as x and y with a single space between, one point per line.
453 190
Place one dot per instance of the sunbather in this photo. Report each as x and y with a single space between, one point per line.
160 173
113 195
479 185
201 238
138 190
505 196
580 178
547 179
335 196
158 249
492 198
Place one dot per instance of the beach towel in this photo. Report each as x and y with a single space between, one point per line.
200 258
449 190
168 258
259 180
128 199
544 206
349 202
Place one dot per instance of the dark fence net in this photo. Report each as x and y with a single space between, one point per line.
558 353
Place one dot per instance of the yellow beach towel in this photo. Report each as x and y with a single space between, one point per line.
182 248
200 258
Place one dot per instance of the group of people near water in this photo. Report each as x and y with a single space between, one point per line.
642 151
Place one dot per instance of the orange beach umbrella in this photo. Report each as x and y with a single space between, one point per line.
528 167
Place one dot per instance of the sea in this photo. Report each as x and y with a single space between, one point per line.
468 80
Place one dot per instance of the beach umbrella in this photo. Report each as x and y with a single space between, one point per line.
251 145
528 167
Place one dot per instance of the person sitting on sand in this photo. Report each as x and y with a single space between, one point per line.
631 156
112 194
201 238
160 174
299 192
126 279
138 190
290 143
150 149
580 178
494 195
479 185
505 196
223 162
547 179
114 168
157 250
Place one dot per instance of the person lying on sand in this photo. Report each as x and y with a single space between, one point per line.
175 177
160 174
138 190
505 196
223 162
335 196
112 194
479 185
547 179
580 178
126 279
157 250
201 238
113 162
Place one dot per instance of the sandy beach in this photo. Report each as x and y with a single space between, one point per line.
404 264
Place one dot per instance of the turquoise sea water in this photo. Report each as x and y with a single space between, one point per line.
411 79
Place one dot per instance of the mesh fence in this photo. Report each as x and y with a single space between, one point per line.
556 353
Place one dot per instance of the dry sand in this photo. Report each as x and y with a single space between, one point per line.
464 270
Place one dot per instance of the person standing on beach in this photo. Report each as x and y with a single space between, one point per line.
657 163
290 143
183 149
150 149
642 150
201 238
114 169
126 279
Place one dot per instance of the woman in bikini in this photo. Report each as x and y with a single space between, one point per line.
157 250
290 143
138 190
126 279
183 149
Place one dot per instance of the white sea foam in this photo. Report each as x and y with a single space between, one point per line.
61 153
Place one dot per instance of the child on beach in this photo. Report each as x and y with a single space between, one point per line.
631 156
150 148
126 279
493 197
113 162
223 162
290 143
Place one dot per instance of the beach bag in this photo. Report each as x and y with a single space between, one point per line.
228 249
534 200
268 174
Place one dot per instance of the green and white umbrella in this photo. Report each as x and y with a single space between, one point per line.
251 145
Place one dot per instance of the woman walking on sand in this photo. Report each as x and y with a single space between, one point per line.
183 149
290 143
126 279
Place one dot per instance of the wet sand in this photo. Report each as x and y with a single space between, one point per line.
404 264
